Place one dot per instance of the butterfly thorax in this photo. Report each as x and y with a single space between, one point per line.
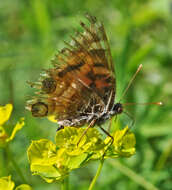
97 115
107 114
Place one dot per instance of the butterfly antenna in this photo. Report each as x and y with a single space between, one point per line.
130 82
131 117
149 103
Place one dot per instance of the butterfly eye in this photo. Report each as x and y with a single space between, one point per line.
49 85
39 109
117 108
120 110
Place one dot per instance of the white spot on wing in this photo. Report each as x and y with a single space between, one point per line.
73 85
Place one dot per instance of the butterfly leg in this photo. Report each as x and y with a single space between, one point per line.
89 126
107 133
109 143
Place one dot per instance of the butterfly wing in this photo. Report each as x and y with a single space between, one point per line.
82 80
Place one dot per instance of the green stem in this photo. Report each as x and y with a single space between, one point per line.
15 165
97 175
163 157
132 175
65 184
3 163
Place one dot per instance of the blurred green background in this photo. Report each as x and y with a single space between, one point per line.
139 31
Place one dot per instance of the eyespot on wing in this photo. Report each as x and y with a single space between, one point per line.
39 109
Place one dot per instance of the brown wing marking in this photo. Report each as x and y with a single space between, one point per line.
89 72
70 96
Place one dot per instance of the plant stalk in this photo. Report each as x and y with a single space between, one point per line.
65 184
15 165
97 175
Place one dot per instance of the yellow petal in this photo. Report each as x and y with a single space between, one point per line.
123 144
3 134
3 137
5 112
119 136
48 173
6 183
17 127
23 187
42 152
52 118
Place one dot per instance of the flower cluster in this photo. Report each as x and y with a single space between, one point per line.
55 161
8 132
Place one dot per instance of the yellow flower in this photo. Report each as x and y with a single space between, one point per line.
7 184
7 133
54 161
69 137
43 158
5 113
123 144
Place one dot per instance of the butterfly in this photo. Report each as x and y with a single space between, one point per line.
80 88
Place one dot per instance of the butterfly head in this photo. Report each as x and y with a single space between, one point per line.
117 109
